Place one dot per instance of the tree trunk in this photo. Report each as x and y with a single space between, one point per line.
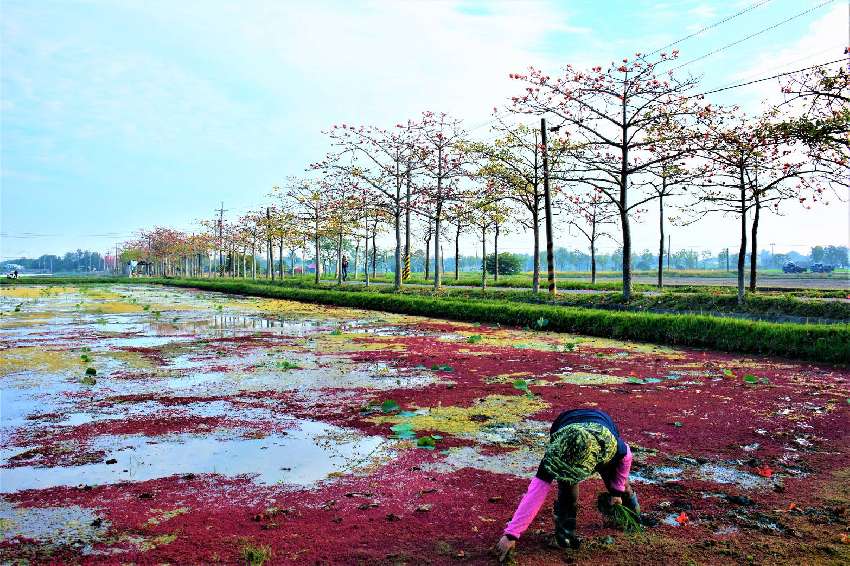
742 251
356 255
437 280
316 249
624 210
428 254
253 259
627 255
547 198
496 254
535 222
457 252
754 243
366 253
303 255
407 216
339 260
483 258
374 248
593 261
280 249
661 230
397 259
437 218
442 259
593 249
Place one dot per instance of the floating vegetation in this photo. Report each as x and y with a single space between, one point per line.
407 439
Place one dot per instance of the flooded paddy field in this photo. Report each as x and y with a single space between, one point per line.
144 424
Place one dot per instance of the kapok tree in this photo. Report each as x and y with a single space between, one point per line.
458 216
751 170
609 117
672 173
382 160
251 222
489 201
344 208
308 205
485 214
514 161
439 142
593 215
816 111
198 246
211 228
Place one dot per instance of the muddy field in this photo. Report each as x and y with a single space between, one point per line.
153 425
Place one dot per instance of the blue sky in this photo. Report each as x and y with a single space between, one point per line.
122 115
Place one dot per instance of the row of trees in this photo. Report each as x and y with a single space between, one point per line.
621 138
71 262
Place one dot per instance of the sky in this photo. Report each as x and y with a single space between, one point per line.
122 115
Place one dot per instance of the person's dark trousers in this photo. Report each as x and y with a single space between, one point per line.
345 274
566 510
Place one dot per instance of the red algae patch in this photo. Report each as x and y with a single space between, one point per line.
324 435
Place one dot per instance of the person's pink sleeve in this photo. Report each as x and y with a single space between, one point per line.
527 510
621 472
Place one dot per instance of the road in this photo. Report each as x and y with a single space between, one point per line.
836 282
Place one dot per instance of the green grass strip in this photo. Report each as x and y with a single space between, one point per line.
822 343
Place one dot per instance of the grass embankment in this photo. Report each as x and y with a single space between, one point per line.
692 299
824 343
524 281
701 302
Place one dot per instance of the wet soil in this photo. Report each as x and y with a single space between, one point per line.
214 428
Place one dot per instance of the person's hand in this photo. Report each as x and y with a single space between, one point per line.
616 500
504 547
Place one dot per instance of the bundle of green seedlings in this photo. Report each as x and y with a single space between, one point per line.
621 516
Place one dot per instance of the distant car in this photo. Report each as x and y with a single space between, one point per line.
821 268
792 267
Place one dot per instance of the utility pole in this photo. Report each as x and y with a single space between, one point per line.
668 252
727 259
406 273
269 259
550 252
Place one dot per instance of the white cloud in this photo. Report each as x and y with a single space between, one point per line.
824 40
703 11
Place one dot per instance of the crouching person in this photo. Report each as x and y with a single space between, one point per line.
581 442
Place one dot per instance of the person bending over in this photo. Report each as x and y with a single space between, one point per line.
581 442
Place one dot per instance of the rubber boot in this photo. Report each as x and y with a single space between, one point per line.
565 532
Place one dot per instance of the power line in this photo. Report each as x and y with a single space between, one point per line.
752 35
784 65
768 78
712 26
